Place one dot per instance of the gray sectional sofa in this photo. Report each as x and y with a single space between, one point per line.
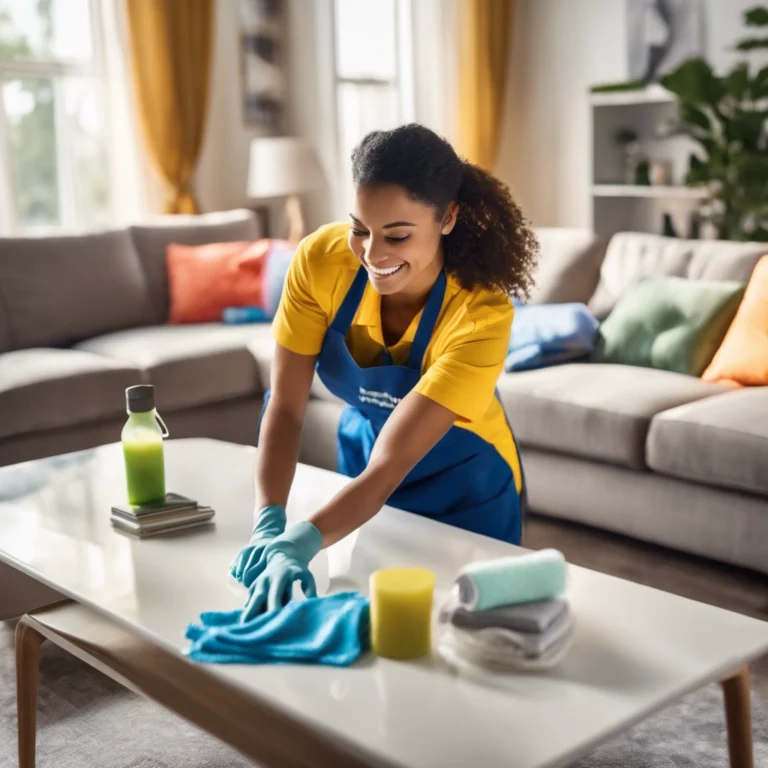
658 456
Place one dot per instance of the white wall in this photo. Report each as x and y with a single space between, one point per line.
560 49
222 174
311 100
220 181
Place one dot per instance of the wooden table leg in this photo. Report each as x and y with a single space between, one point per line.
28 642
738 717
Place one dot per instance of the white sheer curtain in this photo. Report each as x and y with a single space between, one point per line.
133 188
436 64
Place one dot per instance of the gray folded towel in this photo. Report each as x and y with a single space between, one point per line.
530 618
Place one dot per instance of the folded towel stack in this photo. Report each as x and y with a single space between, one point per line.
509 613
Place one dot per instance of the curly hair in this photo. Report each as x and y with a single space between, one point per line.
492 244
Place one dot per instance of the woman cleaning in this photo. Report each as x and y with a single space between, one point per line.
405 314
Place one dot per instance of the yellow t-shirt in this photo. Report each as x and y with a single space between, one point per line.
462 362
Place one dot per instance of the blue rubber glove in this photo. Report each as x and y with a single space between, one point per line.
269 524
284 560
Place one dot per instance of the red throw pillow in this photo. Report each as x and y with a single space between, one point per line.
205 279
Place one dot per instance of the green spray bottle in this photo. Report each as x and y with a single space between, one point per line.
142 439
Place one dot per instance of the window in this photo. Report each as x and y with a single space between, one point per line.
53 156
373 68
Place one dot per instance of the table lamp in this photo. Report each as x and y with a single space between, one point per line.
285 166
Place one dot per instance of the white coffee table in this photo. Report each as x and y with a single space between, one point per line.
636 649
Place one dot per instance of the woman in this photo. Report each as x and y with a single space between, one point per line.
405 315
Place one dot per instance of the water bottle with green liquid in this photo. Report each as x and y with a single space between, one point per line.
142 440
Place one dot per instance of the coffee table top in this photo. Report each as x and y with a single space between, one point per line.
636 648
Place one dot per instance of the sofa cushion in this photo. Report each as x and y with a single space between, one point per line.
153 237
631 255
58 290
189 365
44 389
669 323
569 265
720 441
594 410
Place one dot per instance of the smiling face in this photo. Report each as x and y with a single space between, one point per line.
397 239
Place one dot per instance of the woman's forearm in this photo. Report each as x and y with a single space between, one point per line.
279 443
357 502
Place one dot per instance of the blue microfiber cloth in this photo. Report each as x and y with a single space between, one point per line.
333 630
512 580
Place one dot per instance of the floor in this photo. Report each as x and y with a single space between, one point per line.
726 587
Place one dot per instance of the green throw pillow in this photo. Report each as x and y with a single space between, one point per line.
669 323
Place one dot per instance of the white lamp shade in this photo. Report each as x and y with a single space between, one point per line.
282 166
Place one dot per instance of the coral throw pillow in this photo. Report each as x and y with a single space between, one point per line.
743 356
203 280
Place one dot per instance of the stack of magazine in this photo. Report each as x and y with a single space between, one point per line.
176 513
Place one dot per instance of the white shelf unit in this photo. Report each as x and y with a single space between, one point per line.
652 94
617 206
636 190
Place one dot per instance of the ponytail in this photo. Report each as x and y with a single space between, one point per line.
491 245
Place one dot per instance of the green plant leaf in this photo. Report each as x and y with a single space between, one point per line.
694 116
693 81
747 128
759 87
756 17
698 171
752 44
737 81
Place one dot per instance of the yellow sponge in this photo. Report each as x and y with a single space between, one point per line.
401 612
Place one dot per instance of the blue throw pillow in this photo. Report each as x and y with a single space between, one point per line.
546 334
276 269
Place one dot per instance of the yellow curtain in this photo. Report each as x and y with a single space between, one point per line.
171 42
486 39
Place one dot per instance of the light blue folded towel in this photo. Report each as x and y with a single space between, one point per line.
546 334
333 630
512 580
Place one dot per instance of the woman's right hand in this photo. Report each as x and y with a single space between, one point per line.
270 523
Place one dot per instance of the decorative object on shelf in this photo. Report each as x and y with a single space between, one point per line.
668 227
661 35
694 230
262 24
627 139
726 116
661 173
642 174
286 167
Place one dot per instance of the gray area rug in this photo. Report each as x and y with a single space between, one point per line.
87 721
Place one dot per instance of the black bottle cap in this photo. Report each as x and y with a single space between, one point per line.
140 398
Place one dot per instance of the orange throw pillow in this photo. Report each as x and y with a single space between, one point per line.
743 356
203 280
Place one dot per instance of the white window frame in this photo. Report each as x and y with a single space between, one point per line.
402 81
55 69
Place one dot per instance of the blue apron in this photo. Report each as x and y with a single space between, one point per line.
463 480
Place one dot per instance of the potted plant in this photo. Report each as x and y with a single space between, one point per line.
727 116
